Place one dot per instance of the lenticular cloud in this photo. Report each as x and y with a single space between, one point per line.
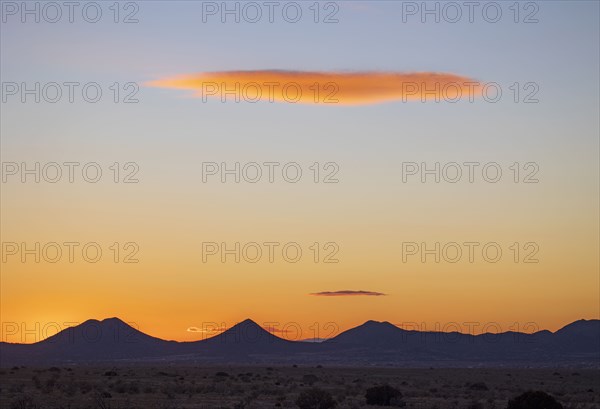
324 88
346 293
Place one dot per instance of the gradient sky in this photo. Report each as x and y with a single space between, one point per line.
369 213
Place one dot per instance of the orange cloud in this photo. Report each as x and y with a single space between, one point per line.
274 330
210 330
326 88
345 293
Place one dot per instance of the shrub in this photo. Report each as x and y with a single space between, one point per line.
475 405
383 395
315 399
133 388
85 387
534 400
49 386
23 403
478 386
100 399
309 379
37 382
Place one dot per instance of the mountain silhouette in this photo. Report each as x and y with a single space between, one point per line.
372 343
371 334
246 337
93 340
581 336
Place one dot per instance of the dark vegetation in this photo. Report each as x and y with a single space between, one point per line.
295 386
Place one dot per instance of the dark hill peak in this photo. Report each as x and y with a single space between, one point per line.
248 323
113 323
246 337
580 325
380 324
247 328
113 320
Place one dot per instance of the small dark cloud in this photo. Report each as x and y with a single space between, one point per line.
346 293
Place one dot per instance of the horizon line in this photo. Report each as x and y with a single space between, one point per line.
303 339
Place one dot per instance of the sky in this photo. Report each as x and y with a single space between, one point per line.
375 222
